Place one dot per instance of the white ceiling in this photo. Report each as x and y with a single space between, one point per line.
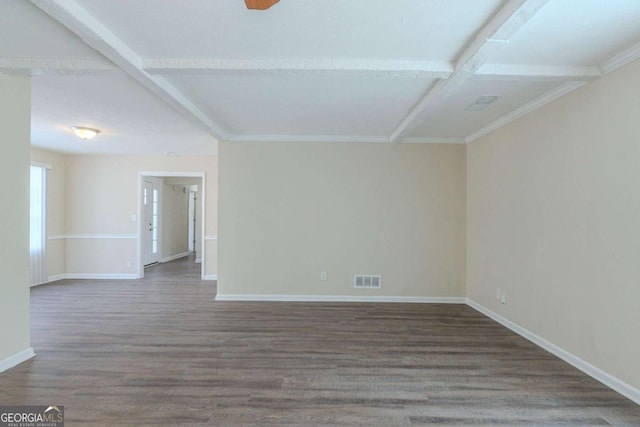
180 75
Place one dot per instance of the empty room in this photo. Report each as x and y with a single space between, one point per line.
320 212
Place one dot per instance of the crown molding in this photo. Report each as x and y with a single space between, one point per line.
527 108
621 59
308 138
432 140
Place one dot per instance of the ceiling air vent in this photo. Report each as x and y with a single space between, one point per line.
367 281
481 103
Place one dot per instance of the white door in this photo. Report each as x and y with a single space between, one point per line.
151 225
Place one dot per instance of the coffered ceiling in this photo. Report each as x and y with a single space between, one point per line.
177 76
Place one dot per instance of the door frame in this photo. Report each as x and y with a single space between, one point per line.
162 174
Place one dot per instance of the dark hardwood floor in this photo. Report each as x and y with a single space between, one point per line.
160 351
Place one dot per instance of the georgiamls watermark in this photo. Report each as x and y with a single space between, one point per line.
32 416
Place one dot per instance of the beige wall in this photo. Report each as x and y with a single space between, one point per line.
15 110
291 210
92 198
101 197
554 219
56 179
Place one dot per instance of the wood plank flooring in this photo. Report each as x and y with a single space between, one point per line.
160 351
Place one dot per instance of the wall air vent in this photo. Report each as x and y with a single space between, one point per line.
481 103
367 281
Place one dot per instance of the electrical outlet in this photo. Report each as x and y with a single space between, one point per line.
128 264
323 275
498 294
503 298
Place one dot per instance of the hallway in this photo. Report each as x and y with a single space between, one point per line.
181 271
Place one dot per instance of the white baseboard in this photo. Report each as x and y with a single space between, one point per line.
210 277
88 276
49 280
340 298
16 359
598 374
99 276
173 257
55 278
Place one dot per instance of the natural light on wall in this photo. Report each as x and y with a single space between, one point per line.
37 225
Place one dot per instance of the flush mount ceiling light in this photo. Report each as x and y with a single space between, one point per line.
83 132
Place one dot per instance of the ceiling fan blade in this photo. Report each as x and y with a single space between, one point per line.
260 4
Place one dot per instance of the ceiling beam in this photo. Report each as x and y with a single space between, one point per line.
395 68
425 69
498 31
537 72
35 67
95 34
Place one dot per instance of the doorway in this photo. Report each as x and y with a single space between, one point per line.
171 212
